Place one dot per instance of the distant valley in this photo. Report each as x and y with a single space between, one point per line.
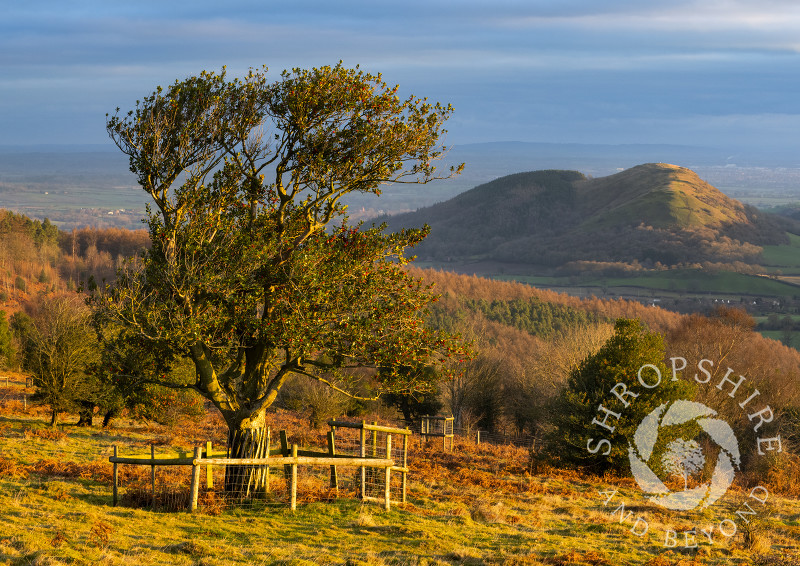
568 222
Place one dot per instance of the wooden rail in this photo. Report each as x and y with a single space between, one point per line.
292 460
370 427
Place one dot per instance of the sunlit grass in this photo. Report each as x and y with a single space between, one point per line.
477 505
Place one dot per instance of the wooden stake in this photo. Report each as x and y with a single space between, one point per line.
195 479
116 478
387 495
332 452
293 503
266 469
363 454
404 475
209 467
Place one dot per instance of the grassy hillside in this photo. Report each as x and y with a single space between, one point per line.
660 195
479 505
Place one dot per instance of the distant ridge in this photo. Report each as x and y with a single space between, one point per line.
654 213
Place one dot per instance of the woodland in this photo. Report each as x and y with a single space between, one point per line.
525 340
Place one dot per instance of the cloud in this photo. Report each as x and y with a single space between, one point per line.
732 23
514 69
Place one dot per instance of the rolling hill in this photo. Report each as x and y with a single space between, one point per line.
649 215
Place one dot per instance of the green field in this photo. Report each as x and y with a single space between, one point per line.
785 258
672 282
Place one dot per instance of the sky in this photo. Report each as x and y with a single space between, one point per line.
717 73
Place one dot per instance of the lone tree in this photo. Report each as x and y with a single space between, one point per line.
254 273
57 349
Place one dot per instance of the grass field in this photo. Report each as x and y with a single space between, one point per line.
785 258
674 282
479 505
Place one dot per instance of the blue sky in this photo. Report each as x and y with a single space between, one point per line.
695 72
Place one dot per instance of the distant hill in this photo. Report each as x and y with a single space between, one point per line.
648 215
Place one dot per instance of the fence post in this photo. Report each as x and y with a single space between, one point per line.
285 452
209 469
195 478
332 452
363 454
153 476
388 487
266 469
293 503
478 438
115 473
405 466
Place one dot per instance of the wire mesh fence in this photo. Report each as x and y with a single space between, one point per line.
355 463
165 489
365 440
169 488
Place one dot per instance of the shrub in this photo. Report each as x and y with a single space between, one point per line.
589 387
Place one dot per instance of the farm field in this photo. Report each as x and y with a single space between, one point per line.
786 258
476 505
678 282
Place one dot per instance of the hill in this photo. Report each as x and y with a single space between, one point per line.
653 215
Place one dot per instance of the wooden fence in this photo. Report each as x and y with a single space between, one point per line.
437 427
368 444
288 457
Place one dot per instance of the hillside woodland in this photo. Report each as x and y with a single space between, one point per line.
36 257
529 340
526 342
649 216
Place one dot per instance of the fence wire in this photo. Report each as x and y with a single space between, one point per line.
248 485
169 492
172 488
348 441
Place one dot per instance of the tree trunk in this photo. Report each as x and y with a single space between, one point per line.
86 413
110 414
54 418
247 438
